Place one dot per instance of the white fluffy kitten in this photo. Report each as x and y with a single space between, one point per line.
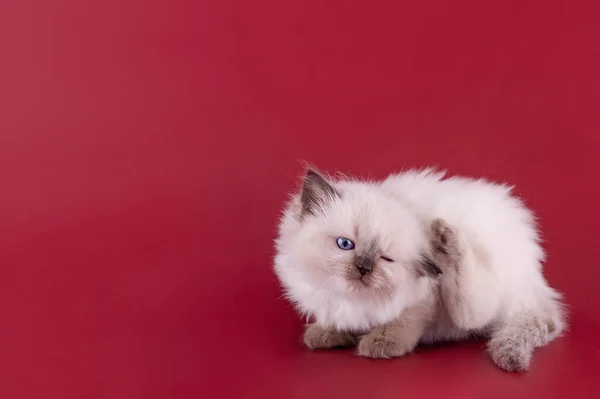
416 258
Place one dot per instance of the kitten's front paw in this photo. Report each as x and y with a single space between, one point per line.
445 243
317 337
510 356
378 346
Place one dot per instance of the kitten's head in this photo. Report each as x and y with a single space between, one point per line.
351 238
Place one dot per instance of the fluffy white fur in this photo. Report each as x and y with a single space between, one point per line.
500 290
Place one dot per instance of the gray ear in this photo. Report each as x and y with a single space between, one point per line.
316 193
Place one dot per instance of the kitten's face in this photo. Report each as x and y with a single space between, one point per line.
355 240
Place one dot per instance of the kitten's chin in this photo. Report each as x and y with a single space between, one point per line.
362 286
365 287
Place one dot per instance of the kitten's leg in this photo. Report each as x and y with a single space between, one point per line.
470 292
318 337
398 337
512 343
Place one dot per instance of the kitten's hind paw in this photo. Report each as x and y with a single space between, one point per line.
445 244
510 356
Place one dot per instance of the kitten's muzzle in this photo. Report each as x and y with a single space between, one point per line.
364 265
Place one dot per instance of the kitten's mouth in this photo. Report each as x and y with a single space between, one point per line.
359 282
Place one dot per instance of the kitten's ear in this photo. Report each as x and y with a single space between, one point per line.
316 192
427 267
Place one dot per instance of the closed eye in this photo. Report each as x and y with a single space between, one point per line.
387 259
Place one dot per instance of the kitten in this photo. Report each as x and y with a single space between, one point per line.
416 258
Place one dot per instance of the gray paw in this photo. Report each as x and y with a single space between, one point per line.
510 356
445 243
380 347
317 337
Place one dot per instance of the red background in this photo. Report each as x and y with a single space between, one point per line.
146 148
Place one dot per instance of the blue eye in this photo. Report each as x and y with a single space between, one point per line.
344 243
